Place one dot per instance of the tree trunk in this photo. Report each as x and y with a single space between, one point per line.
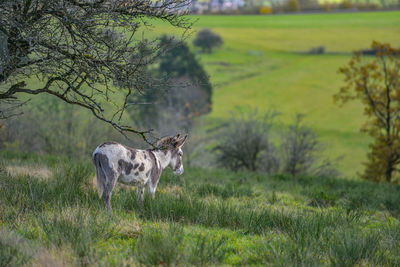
388 174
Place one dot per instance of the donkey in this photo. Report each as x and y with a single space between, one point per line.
115 162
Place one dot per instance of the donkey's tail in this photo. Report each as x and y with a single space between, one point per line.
101 177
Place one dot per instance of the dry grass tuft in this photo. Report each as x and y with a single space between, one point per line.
38 172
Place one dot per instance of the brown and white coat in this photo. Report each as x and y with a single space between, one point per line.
115 162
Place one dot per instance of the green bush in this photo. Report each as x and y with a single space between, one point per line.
207 40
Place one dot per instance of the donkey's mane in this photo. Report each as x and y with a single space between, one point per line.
164 142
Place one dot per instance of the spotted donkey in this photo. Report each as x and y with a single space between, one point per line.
115 162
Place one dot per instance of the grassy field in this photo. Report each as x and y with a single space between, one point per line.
50 215
262 65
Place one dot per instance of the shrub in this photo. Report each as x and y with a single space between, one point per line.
317 50
245 143
207 40
301 152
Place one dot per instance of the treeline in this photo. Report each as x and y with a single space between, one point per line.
289 6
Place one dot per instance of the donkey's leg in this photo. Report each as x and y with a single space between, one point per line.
111 182
153 184
140 190
107 199
112 177
152 189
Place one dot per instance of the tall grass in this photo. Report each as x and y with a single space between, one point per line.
206 217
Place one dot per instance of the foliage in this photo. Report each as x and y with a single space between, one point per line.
207 40
376 83
78 51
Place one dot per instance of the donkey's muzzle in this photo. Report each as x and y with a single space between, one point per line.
179 171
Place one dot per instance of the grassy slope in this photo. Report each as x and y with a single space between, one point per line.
260 65
205 217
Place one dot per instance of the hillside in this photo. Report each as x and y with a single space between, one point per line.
263 64
50 214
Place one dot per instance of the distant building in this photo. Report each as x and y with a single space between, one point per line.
200 7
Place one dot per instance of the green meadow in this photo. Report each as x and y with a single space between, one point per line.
263 65
50 215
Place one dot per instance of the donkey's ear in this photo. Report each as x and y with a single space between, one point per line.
175 139
181 141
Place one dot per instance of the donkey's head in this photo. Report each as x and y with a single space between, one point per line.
173 145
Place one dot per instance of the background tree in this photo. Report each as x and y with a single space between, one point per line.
185 92
80 51
207 40
376 83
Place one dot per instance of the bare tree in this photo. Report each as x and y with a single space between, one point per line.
302 152
300 147
84 52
